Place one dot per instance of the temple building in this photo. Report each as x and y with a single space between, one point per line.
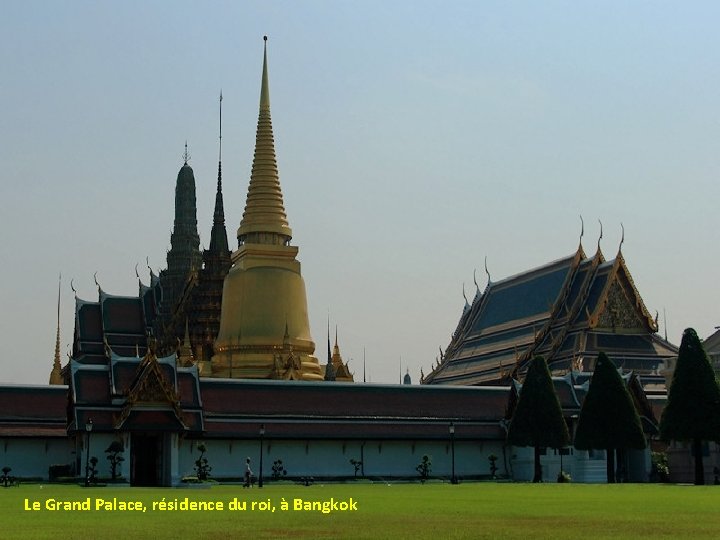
567 311
187 361
182 302
184 259
260 330
336 369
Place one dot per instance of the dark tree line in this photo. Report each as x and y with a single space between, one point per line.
609 419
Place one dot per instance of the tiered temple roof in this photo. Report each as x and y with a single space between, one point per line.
568 311
33 411
114 324
134 393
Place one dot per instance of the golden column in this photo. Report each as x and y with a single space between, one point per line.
264 328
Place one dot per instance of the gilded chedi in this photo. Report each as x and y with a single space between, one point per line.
264 328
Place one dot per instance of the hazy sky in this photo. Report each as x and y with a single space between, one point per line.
413 139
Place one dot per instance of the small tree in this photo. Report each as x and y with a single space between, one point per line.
692 412
357 465
608 418
538 420
424 468
492 458
202 469
278 469
5 477
114 450
92 470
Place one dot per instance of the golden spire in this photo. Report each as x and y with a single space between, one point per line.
55 375
185 354
264 292
264 220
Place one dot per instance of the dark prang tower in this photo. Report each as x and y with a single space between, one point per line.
184 259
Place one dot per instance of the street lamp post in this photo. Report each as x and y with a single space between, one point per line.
262 435
453 478
88 429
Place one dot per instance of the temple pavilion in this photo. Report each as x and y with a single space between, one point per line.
189 360
567 311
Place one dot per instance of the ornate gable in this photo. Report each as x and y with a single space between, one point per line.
150 389
621 306
618 312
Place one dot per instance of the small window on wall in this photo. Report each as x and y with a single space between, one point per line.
596 454
565 451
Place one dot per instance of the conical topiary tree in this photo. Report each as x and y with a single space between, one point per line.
692 412
608 418
537 420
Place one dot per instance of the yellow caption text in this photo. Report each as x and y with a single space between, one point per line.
97 504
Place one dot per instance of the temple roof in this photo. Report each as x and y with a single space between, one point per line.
33 411
136 393
567 310
113 324
300 409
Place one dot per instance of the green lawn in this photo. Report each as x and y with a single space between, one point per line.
437 511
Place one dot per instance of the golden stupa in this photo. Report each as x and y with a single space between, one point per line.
264 328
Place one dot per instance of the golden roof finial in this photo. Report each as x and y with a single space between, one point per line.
185 353
264 220
265 89
186 155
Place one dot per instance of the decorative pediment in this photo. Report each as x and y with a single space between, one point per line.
618 311
289 368
150 389
621 305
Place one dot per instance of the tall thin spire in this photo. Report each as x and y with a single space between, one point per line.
330 374
218 234
264 220
329 356
364 373
55 375
265 89
220 152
